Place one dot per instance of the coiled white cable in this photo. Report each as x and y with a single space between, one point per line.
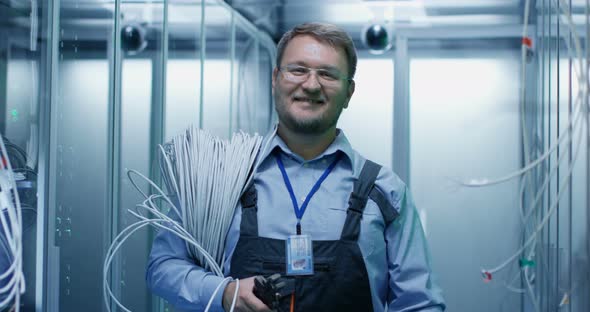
208 201
11 222
208 176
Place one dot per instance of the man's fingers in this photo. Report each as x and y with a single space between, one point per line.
253 303
246 300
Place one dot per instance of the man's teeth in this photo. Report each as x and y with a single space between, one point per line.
309 100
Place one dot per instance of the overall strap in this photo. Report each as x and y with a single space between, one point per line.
358 200
387 211
249 223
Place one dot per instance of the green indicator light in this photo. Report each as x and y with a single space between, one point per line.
526 262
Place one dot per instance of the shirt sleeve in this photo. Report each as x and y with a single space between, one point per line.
411 285
173 275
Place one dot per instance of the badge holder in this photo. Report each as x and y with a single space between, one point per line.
299 255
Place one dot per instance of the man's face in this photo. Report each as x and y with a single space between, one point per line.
311 105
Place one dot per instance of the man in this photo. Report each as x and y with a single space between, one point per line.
352 243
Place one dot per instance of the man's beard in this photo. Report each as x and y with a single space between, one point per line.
316 125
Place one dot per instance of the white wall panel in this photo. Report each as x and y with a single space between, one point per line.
465 124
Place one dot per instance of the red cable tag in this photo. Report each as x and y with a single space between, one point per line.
527 42
487 276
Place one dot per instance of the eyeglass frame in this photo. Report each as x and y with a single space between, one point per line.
305 76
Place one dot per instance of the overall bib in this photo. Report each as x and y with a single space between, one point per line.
340 281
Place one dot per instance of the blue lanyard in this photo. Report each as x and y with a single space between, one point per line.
299 211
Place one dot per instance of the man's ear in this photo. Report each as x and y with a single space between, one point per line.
349 92
275 73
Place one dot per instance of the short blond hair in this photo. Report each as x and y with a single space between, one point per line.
323 32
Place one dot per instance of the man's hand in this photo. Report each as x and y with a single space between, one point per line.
246 301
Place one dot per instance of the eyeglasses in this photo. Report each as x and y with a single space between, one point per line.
299 74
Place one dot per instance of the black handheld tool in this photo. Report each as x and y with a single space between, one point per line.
269 290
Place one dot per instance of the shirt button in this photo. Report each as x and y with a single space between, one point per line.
303 199
305 165
324 161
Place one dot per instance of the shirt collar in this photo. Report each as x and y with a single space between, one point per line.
273 141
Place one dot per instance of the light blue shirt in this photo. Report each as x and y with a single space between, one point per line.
396 256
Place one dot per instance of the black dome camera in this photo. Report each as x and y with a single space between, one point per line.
376 38
133 38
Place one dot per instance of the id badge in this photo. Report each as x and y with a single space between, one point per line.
299 255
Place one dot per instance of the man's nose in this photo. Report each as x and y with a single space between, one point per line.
311 83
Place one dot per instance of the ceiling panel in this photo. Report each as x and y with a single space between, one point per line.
277 16
355 15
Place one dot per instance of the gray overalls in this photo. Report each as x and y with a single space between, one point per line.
340 282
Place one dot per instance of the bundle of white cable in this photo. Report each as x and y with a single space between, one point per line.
208 175
11 223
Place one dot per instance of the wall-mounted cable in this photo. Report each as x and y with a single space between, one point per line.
537 163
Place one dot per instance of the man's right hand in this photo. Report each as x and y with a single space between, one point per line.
246 301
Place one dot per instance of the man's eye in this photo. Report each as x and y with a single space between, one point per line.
328 75
298 71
